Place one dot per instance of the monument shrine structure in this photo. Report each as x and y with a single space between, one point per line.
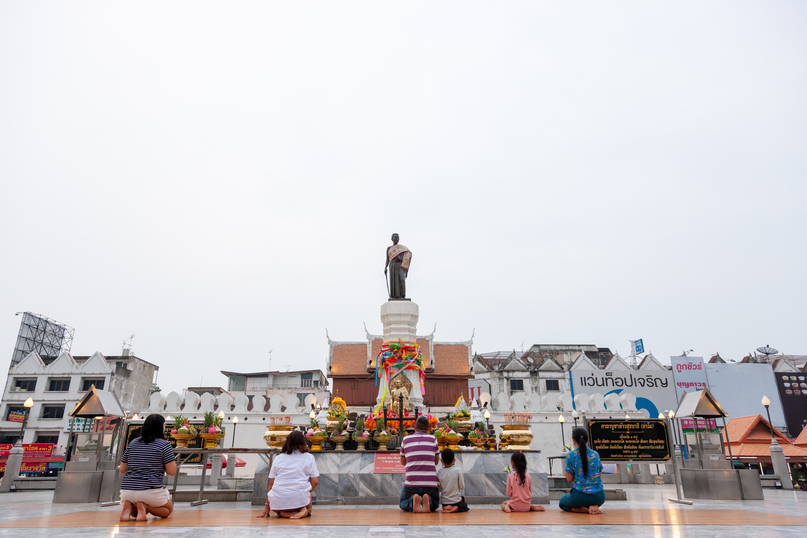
446 365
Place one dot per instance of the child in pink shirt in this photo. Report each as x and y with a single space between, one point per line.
519 487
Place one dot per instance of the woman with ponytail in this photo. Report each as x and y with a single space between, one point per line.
583 468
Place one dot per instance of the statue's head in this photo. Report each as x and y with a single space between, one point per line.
395 239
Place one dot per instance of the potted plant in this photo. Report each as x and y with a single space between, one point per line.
183 431
212 432
383 438
442 440
478 438
338 436
360 435
452 434
316 436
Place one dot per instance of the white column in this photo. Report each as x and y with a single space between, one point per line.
400 319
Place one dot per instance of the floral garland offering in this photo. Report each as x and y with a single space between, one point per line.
396 356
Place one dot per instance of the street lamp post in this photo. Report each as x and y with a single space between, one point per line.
14 461
778 460
562 434
487 417
575 416
235 423
29 403
767 403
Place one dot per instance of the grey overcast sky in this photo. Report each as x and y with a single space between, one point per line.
221 179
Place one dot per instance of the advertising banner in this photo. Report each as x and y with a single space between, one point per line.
15 417
689 374
27 467
653 389
623 440
793 392
703 424
33 451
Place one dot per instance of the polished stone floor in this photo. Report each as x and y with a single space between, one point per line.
26 505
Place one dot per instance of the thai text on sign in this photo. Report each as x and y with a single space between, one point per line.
388 464
33 451
27 467
624 440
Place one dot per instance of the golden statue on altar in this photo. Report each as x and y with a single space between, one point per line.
400 386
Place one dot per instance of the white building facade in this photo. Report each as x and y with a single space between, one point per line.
57 385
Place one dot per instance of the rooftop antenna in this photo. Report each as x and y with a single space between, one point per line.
270 359
767 351
127 345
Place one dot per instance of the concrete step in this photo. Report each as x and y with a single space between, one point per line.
214 495
236 483
610 494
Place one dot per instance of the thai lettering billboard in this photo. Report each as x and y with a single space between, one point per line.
689 374
653 389
793 392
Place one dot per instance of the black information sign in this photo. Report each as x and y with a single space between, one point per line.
133 432
793 392
623 440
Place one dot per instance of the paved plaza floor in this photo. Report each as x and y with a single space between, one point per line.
646 513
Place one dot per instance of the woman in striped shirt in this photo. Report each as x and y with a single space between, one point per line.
144 464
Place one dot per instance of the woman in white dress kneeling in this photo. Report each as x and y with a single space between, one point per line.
292 478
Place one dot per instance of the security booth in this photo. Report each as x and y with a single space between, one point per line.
707 472
93 450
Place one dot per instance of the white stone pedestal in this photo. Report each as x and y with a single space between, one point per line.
400 320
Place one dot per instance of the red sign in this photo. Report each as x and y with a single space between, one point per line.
32 452
15 417
686 424
388 464
27 467
107 424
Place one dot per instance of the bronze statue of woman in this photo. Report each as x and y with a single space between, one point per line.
397 261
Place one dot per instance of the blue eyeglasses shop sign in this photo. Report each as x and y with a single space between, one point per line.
654 389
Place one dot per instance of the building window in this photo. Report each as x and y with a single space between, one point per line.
25 385
516 385
301 396
18 413
552 384
48 438
58 385
238 383
87 383
306 380
52 411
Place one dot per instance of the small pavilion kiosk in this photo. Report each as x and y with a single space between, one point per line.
91 474
707 473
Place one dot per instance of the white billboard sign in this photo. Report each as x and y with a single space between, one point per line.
653 389
689 374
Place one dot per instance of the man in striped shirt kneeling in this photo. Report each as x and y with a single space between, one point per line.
419 456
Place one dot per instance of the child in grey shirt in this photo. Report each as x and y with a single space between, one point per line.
452 486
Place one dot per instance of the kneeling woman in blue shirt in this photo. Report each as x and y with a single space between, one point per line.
583 468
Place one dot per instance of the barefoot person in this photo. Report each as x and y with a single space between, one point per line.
583 469
519 487
143 466
419 456
292 478
452 484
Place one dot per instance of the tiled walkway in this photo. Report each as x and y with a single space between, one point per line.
705 518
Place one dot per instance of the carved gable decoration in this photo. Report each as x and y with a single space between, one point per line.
550 365
515 365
